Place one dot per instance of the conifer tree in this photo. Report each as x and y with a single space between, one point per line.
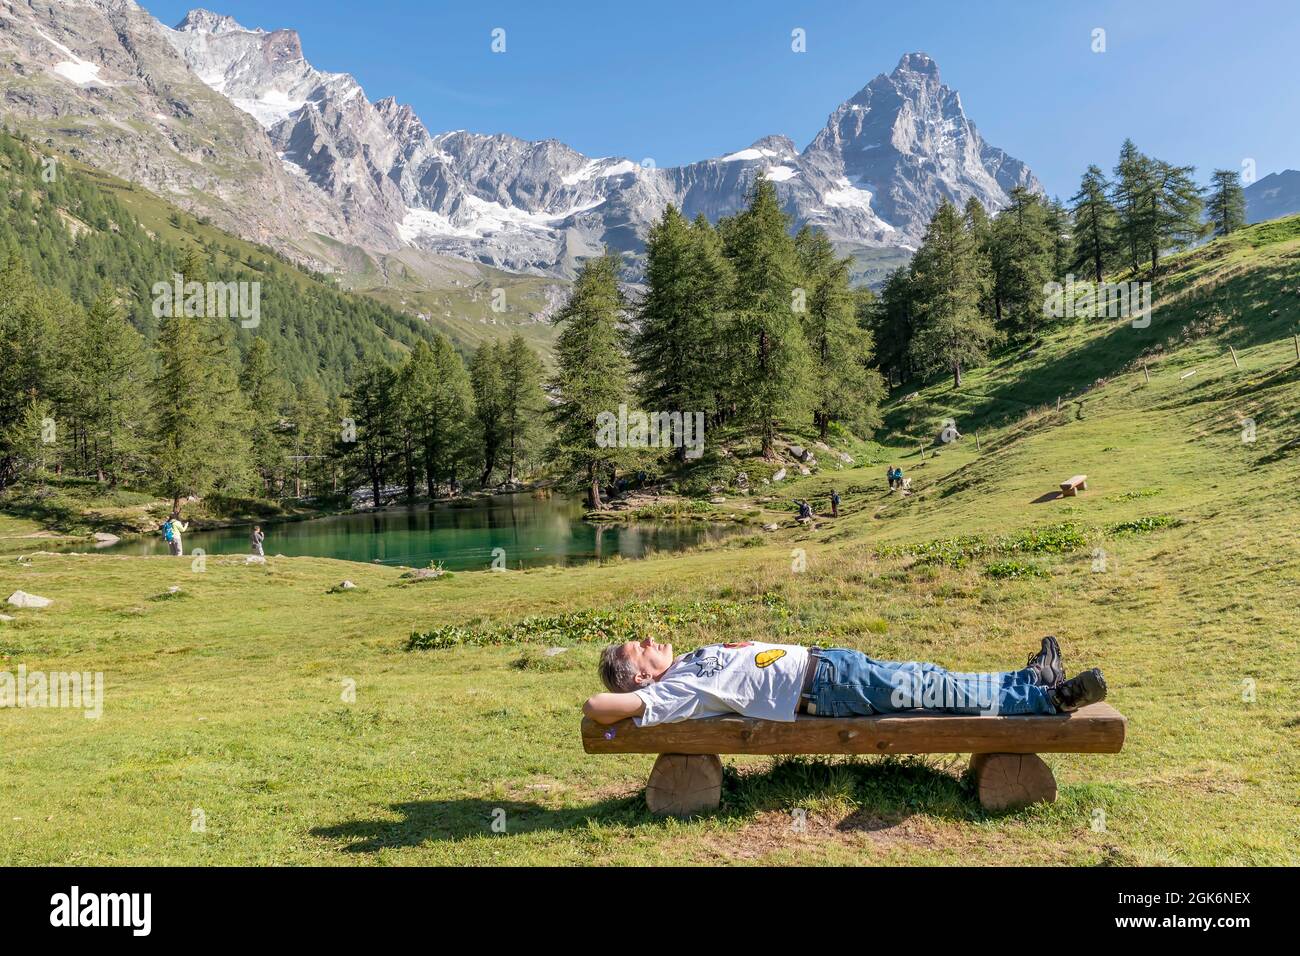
1179 206
200 442
114 369
27 357
311 441
1134 201
1022 262
372 407
1227 203
591 377
521 402
768 303
449 436
677 350
266 395
1094 222
980 228
892 321
951 334
845 389
488 382
1059 228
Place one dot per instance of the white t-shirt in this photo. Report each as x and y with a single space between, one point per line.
749 678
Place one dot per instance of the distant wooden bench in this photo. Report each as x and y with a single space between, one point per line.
1007 770
1072 486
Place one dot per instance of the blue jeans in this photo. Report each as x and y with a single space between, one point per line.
849 683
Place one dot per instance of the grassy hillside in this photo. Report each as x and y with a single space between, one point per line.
83 228
457 297
1175 573
426 291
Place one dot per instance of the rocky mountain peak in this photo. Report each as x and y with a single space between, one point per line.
777 146
918 63
199 20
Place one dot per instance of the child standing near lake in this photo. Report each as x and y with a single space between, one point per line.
256 540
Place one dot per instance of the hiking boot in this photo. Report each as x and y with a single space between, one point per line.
1046 664
1079 691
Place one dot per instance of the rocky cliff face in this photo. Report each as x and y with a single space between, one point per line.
99 79
241 119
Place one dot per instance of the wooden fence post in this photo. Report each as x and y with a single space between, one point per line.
1147 372
1234 356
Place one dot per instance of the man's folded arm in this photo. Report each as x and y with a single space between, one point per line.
610 708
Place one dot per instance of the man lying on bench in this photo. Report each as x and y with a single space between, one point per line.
778 681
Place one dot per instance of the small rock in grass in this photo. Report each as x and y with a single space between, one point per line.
254 559
717 500
7 617
23 599
770 527
779 476
552 651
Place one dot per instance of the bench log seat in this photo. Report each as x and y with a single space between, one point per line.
687 777
1072 486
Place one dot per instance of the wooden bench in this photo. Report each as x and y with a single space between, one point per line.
1007 770
1072 486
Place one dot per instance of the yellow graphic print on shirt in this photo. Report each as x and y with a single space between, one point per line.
763 658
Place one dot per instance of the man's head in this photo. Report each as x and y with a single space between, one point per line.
625 667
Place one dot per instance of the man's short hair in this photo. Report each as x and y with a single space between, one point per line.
617 673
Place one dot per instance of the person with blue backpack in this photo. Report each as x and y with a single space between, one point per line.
171 530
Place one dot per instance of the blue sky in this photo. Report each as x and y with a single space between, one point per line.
1199 82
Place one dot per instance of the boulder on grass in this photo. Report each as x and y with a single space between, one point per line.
23 599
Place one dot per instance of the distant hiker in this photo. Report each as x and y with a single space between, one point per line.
256 540
805 511
835 503
171 530
889 475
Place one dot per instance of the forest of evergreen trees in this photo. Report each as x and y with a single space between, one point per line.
754 327
979 282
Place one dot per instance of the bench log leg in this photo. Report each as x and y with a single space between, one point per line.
1012 781
682 784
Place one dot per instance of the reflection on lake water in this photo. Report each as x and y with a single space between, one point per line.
463 536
